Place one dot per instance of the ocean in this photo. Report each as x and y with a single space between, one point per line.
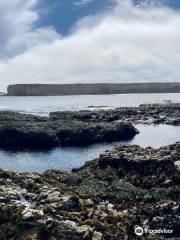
45 105
66 158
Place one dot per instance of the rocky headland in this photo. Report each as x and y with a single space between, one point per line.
91 88
105 199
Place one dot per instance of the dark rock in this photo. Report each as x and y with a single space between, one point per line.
106 201
66 230
71 205
134 159
21 131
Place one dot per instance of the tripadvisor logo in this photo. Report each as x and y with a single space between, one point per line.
139 231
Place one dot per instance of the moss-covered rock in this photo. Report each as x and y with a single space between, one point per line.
96 202
26 131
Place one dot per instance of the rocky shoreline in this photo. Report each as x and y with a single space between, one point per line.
144 114
105 199
83 127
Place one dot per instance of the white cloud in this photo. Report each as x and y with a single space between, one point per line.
17 27
81 3
125 44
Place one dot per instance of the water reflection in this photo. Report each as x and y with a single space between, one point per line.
67 158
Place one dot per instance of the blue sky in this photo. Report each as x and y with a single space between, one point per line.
88 41
62 14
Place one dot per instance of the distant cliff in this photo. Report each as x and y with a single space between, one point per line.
91 89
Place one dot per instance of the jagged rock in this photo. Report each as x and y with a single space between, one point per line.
65 230
26 131
71 204
106 202
83 127
97 236
134 159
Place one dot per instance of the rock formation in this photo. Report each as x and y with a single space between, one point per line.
83 127
28 131
105 199
90 89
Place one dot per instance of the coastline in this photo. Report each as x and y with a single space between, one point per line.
91 89
104 199
81 128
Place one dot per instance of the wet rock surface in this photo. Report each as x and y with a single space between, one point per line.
147 114
83 127
105 199
27 131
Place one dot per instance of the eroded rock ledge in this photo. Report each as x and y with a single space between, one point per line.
146 113
27 131
103 200
83 127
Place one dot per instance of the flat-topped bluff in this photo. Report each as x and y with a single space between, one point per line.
91 89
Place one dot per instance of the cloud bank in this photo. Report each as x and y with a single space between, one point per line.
127 43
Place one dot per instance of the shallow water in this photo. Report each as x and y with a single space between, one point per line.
67 158
45 105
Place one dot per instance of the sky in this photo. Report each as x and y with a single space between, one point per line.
89 41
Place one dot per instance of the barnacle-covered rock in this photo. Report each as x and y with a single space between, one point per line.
105 199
